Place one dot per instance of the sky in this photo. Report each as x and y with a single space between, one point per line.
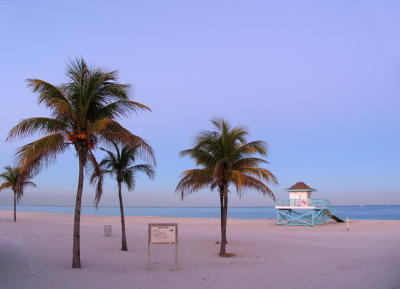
319 81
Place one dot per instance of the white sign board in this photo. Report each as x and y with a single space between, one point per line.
162 234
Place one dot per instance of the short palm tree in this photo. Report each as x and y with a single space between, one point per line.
121 165
83 114
14 180
226 158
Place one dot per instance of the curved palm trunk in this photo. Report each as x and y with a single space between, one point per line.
15 206
76 251
224 213
121 206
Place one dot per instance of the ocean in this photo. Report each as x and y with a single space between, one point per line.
389 212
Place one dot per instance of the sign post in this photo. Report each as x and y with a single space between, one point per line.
162 233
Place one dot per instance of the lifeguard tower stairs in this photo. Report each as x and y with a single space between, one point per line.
302 210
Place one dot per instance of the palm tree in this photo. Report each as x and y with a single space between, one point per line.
83 114
121 165
226 158
16 181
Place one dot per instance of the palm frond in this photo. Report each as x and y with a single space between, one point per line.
111 131
128 178
9 174
96 177
255 147
121 108
40 153
76 70
29 183
144 168
260 173
5 185
254 183
248 162
112 91
111 161
33 125
194 180
48 93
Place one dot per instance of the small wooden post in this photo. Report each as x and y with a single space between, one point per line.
347 224
176 248
149 249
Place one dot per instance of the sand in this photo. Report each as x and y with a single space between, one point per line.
35 253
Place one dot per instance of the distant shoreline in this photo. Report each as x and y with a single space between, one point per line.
178 217
127 206
377 212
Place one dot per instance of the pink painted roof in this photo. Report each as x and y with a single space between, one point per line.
300 186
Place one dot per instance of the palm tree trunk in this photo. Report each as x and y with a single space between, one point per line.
76 251
15 206
224 213
121 206
221 200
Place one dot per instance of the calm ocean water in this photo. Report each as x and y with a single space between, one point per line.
353 212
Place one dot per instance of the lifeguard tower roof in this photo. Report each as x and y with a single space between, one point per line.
300 187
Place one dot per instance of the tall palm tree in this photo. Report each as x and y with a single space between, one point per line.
226 158
83 114
16 181
121 165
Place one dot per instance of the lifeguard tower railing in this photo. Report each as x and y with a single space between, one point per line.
304 212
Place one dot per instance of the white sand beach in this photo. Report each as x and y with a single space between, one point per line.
36 252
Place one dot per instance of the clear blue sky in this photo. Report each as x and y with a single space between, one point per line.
319 81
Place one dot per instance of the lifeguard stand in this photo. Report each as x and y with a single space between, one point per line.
302 210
